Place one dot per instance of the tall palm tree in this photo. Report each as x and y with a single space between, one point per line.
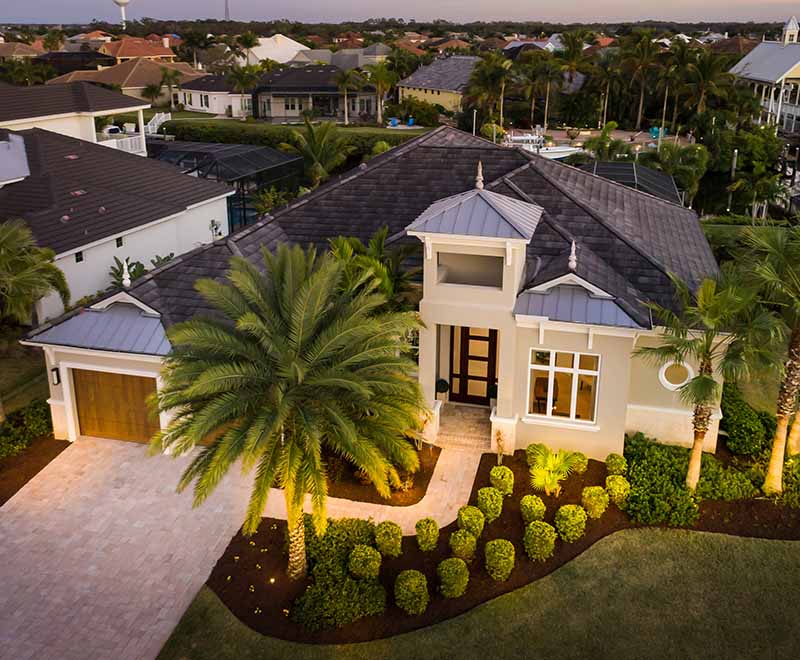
244 79
640 58
24 72
706 78
608 74
681 57
383 78
572 57
528 85
348 80
551 74
606 148
194 41
296 367
27 273
722 330
170 78
53 40
152 92
775 258
686 163
489 79
322 149
247 41
763 185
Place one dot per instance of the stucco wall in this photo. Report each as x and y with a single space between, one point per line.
218 102
177 235
81 127
448 100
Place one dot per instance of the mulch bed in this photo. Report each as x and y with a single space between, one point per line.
256 560
349 487
16 471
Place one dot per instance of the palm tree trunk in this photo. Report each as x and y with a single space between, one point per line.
502 94
641 108
675 113
533 107
605 103
546 106
663 117
702 416
787 395
298 565
792 446
194 56
379 99
346 116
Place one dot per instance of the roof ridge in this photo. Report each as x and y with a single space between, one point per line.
491 203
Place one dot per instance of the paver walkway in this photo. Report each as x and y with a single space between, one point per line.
99 557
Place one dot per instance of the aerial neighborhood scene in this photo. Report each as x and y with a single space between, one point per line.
474 332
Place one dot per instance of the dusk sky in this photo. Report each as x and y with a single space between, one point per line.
74 11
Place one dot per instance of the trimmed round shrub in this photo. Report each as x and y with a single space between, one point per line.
453 577
364 562
471 518
579 462
539 541
427 534
462 544
618 489
532 508
389 539
746 433
570 522
411 592
502 478
595 500
499 559
490 502
530 453
616 464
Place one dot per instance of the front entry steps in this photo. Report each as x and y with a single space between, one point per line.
467 427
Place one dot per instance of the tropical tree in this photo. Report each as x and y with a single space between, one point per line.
27 273
706 78
403 63
24 72
385 265
572 56
383 78
681 57
322 149
686 164
247 41
268 66
170 78
297 367
348 80
548 468
152 92
639 59
53 40
550 74
194 41
244 78
605 147
764 187
724 332
775 257
488 81
607 74
528 84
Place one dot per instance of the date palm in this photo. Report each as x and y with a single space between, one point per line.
244 79
608 75
27 273
775 255
681 57
550 468
724 332
640 59
194 41
490 78
170 78
550 74
247 41
348 80
383 78
296 367
572 57
706 78
322 149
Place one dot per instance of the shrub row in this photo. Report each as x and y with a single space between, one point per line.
490 502
389 539
502 478
746 431
23 426
427 534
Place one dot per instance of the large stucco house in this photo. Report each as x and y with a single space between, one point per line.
535 279
442 82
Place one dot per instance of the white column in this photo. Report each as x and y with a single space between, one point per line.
142 137
778 118
427 362
69 403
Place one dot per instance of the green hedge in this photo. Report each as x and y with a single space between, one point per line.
471 519
490 502
618 489
595 500
502 478
539 541
570 522
499 559
389 539
453 577
616 464
411 592
365 562
23 426
532 508
427 534
747 434
462 544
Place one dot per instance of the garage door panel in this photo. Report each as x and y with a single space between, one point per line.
114 405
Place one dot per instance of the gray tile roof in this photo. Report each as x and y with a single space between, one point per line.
479 213
768 62
79 192
573 304
638 177
120 327
450 73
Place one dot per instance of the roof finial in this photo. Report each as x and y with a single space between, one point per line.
479 177
573 257
126 275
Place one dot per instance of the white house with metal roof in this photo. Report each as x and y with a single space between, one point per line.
772 69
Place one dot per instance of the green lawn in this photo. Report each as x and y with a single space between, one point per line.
648 593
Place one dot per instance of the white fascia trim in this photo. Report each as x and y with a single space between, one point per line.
74 350
460 239
76 113
573 279
589 427
117 111
10 181
684 412
125 297
142 373
232 191
524 321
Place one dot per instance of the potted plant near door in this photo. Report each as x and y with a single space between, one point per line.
492 391
442 388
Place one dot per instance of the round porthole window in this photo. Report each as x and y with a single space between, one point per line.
675 374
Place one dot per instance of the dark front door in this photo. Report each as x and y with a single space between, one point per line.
473 364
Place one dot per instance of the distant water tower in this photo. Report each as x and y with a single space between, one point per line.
122 4
227 11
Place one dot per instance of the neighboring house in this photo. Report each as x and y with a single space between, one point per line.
316 40
278 48
345 58
349 37
734 46
637 176
283 96
13 160
404 44
168 40
492 43
71 110
446 44
772 69
130 48
311 56
14 51
132 76
215 95
535 280
442 82
90 204
63 62
552 44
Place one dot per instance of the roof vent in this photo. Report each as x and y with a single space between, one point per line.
71 157
65 219
78 193
101 210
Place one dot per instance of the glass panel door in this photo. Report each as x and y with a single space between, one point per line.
473 365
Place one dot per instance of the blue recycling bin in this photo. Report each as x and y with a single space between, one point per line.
393 122
410 121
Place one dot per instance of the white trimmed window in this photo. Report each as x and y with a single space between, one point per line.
563 385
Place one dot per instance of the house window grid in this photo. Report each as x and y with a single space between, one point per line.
551 369
119 242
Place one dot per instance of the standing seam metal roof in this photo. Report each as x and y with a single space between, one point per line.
573 304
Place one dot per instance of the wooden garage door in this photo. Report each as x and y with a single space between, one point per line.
114 405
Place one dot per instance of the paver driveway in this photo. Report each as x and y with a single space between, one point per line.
99 557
